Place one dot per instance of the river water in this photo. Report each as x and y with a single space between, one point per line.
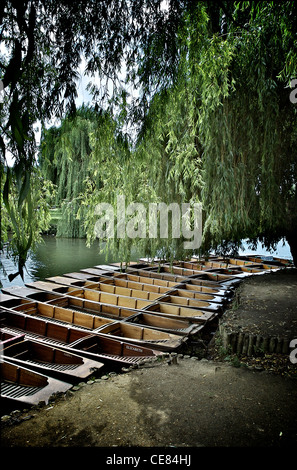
57 256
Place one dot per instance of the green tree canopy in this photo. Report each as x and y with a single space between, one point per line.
214 110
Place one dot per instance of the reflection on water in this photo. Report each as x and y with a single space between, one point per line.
57 256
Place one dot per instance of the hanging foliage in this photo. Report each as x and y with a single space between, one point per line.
64 158
23 218
213 106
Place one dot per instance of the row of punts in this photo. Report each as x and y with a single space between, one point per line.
62 330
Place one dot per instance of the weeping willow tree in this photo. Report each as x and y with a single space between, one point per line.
113 172
234 72
64 160
23 219
168 153
223 132
247 128
213 77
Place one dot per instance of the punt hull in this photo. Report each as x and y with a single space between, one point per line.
50 360
23 385
109 351
160 340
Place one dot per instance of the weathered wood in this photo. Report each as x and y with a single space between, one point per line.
240 343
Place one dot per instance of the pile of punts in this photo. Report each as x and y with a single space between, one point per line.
64 329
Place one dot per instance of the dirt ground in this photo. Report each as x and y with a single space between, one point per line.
182 406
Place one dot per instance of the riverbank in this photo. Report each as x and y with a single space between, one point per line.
184 403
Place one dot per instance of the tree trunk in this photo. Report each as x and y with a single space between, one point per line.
292 241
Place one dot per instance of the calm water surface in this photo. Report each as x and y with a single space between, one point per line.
57 256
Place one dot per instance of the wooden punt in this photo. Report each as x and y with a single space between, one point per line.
109 267
62 308
69 281
273 260
98 272
27 386
193 269
7 339
11 300
232 262
165 323
214 264
210 279
136 333
50 360
202 295
88 301
158 275
139 335
126 353
239 271
223 294
107 350
86 276
104 314
166 268
158 282
198 299
61 314
113 281
175 269
100 287
26 293
177 311
90 295
206 301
